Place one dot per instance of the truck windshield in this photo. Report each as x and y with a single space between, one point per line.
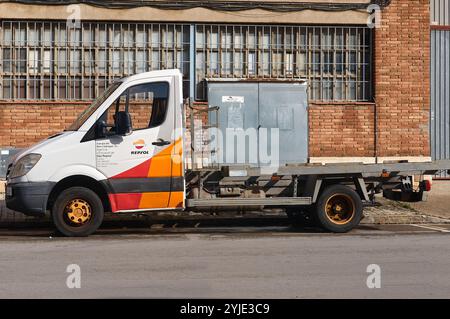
93 107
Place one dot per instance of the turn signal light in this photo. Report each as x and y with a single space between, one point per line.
426 185
275 178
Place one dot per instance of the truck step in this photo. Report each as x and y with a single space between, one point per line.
239 202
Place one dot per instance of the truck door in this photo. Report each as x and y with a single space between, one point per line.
139 165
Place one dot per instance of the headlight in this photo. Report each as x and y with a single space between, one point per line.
24 165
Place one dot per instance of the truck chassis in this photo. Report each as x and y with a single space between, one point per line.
300 188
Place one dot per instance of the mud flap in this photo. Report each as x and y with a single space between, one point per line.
404 196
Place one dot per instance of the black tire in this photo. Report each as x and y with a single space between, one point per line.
301 217
339 209
89 208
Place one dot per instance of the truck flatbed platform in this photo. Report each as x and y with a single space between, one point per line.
423 168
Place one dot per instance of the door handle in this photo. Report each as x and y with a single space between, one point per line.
161 142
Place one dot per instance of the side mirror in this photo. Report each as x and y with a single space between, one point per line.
101 129
123 123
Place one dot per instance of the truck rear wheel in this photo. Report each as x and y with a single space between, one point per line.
339 209
77 212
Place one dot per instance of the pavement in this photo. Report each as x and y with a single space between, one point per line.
227 261
438 202
241 256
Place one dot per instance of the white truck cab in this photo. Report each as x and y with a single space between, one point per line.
124 153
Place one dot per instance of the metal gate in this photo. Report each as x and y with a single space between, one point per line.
440 95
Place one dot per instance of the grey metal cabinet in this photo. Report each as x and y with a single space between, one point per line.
265 121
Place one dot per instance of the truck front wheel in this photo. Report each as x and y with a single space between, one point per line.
77 212
339 209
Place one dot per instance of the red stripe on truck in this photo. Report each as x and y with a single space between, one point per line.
138 171
124 201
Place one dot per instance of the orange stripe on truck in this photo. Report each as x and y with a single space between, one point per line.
176 200
167 162
154 200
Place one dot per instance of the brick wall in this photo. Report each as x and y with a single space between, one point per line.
402 79
22 124
401 75
28 122
340 129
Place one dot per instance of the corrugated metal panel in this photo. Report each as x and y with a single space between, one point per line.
6 155
440 12
440 94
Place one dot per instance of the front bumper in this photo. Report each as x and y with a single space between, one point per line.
28 198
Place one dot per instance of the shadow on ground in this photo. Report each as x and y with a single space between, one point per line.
180 226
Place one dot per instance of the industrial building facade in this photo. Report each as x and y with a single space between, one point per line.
369 88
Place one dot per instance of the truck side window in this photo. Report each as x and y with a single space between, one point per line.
117 106
147 105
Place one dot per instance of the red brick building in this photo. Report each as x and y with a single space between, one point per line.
369 88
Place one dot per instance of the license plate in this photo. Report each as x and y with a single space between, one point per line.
9 191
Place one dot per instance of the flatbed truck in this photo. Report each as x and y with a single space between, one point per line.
117 158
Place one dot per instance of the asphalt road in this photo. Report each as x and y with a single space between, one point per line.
228 262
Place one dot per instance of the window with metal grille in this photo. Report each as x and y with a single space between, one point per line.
336 61
52 61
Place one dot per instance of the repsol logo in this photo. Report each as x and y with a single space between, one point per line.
139 146
139 153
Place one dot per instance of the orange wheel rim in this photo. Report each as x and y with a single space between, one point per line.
340 209
78 212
